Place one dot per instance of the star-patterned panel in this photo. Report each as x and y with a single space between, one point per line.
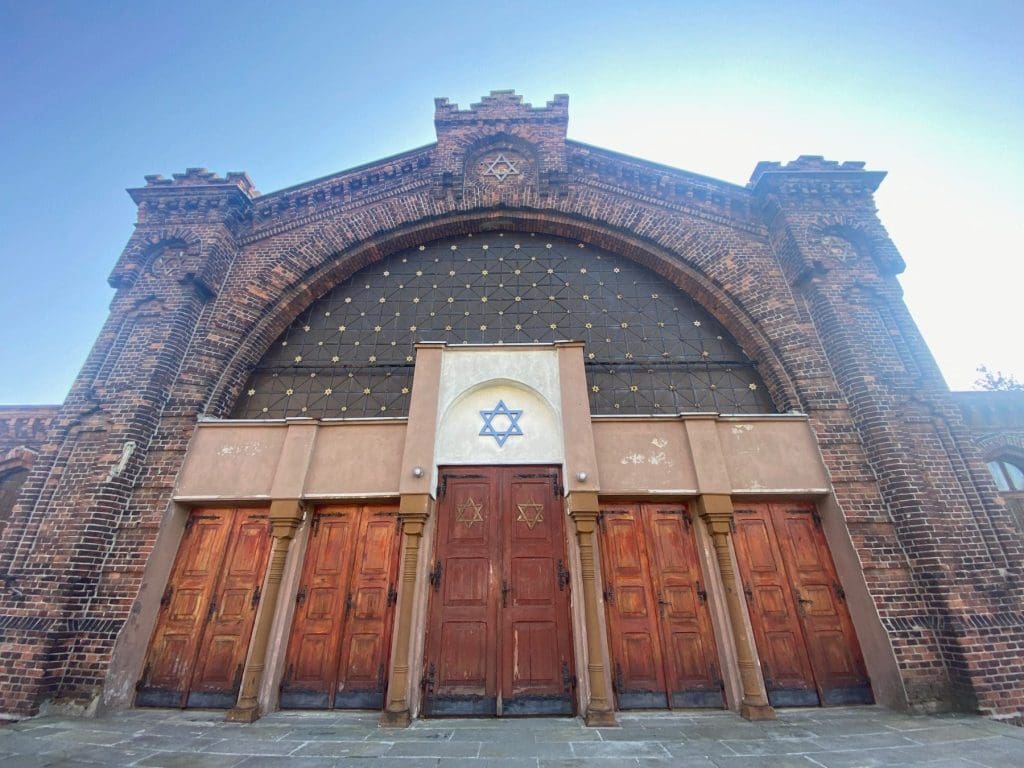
649 349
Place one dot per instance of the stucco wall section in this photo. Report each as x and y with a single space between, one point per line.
356 460
231 461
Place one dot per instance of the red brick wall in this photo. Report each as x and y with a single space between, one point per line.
796 266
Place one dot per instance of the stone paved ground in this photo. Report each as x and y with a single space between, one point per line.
805 738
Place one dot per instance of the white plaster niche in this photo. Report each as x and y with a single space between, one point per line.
476 380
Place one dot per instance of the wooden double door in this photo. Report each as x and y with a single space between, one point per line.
808 649
661 638
498 633
207 611
340 641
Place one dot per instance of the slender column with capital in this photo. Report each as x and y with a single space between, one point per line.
414 510
716 511
285 516
583 509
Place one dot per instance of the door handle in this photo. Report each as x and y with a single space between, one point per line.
801 601
435 576
662 602
504 593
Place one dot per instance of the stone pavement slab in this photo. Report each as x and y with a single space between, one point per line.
844 737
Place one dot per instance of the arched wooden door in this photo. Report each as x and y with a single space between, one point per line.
207 611
341 634
498 634
805 638
662 642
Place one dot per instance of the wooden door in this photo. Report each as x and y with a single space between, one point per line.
834 652
809 653
688 640
461 671
366 639
207 611
638 670
788 677
340 639
662 642
498 639
535 646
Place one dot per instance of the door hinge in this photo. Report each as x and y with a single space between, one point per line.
380 677
609 595
256 595
816 517
427 681
300 596
237 682
435 575
392 595
141 683
702 594
747 591
568 679
563 576
838 589
617 678
165 599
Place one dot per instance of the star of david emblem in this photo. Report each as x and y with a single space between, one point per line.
501 168
468 512
506 417
531 514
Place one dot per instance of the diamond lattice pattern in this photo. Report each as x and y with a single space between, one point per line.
649 349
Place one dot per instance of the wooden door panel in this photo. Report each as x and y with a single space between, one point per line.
833 649
366 640
635 640
184 607
321 602
691 657
461 668
534 645
225 642
788 676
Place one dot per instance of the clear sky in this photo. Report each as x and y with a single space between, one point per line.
94 95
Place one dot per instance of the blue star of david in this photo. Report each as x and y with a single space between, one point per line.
501 435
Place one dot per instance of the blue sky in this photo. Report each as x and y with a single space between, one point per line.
97 94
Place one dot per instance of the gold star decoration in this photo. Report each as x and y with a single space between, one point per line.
530 513
468 512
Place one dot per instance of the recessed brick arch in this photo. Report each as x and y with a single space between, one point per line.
282 309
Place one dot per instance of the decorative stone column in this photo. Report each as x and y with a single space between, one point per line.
285 516
716 510
413 512
583 508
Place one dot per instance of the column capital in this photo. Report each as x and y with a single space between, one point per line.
413 511
285 517
716 510
583 509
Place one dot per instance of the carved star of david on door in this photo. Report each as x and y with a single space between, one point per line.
501 435
468 512
501 168
531 514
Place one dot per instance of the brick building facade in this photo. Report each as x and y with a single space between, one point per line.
855 426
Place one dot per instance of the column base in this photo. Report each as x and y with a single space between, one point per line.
394 719
757 711
242 715
600 719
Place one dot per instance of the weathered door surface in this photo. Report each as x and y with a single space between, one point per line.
809 652
498 639
662 643
341 634
207 611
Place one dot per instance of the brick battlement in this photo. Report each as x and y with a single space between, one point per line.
500 106
200 177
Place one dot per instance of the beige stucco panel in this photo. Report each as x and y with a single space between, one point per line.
771 456
356 460
644 456
233 462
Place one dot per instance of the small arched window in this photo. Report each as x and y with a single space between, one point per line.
1007 474
10 486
